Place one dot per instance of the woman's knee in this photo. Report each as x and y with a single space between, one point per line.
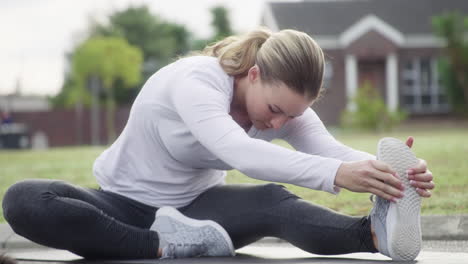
24 199
272 194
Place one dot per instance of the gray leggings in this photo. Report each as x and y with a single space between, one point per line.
99 224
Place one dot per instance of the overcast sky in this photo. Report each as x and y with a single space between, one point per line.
35 34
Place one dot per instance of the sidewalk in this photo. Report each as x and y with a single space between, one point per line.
434 227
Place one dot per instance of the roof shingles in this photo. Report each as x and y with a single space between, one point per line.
331 18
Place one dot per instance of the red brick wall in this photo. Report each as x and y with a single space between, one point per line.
330 106
63 127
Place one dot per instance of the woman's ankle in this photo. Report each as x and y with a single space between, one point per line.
374 238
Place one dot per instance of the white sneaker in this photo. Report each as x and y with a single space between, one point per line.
397 225
183 237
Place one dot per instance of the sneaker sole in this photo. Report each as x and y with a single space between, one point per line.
403 218
175 214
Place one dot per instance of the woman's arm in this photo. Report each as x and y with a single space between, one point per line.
308 134
360 172
204 108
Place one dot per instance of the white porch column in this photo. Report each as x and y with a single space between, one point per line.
391 75
351 80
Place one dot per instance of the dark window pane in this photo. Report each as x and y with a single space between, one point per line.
408 66
442 99
426 99
408 100
408 82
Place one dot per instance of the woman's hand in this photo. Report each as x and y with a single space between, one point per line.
420 177
371 176
377 177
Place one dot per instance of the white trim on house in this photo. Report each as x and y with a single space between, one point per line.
366 24
269 18
351 81
423 41
417 84
327 42
391 79
434 85
411 41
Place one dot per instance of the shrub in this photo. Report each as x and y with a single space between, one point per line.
452 86
452 27
371 113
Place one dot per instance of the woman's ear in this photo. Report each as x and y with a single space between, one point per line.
254 73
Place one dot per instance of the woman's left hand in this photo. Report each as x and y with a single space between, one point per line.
420 177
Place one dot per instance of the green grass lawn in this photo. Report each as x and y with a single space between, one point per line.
445 149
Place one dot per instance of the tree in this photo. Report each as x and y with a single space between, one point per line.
220 22
71 94
221 26
159 40
454 69
109 59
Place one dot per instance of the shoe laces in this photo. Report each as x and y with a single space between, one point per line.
380 207
183 250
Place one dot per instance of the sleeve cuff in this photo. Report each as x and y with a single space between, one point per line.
330 184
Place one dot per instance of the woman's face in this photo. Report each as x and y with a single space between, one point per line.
272 105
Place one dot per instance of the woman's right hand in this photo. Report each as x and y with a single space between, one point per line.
371 176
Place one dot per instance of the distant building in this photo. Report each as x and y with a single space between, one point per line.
20 103
14 131
389 43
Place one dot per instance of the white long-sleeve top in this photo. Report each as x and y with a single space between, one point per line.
180 140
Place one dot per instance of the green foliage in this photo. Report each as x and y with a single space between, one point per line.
220 22
371 112
453 28
221 25
452 86
159 40
111 59
71 94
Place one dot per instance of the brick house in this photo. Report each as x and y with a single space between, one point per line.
389 43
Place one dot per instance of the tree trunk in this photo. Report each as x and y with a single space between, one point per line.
95 110
79 121
110 115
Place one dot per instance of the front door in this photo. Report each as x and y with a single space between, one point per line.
373 71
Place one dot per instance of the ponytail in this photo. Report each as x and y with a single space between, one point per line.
238 54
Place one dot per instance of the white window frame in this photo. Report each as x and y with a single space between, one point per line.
435 89
327 75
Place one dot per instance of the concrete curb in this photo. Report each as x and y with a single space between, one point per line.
443 227
434 227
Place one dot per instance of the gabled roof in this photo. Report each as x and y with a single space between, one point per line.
333 17
366 24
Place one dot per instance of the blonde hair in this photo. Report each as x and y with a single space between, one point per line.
288 56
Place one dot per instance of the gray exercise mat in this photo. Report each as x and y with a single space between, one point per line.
250 254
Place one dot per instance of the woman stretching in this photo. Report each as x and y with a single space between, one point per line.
202 115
